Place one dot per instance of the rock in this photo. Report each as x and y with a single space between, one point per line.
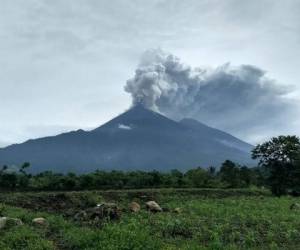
153 206
39 221
82 215
295 206
104 210
177 210
134 207
6 222
3 221
100 212
15 221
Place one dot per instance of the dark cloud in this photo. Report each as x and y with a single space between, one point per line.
241 100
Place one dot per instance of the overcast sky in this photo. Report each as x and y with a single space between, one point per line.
64 64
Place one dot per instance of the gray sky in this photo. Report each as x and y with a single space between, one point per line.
64 64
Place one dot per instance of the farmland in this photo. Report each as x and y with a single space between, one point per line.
191 219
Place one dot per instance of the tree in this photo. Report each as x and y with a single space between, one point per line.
230 174
9 180
177 178
245 176
23 177
156 178
284 149
4 168
70 181
295 175
24 167
279 156
212 171
198 177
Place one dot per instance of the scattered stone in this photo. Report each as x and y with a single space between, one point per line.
39 221
6 222
104 210
3 221
134 207
153 206
295 206
100 212
15 221
82 215
177 210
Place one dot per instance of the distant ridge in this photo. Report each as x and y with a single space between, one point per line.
137 139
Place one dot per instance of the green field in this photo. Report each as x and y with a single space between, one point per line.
209 219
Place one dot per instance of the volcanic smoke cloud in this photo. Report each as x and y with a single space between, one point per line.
241 100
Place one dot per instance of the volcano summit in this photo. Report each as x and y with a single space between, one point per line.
138 139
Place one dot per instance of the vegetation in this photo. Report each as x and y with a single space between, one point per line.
236 220
231 175
281 157
231 207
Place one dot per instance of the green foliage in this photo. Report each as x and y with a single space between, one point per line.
199 177
230 174
280 156
233 222
283 149
236 176
2 207
24 238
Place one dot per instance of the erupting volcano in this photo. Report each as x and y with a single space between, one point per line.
139 139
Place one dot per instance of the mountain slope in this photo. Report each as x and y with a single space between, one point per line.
137 139
217 135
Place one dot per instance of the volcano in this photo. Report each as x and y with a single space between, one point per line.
138 139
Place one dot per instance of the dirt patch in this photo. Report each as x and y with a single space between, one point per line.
64 203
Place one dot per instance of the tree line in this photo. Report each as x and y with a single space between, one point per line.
278 168
230 175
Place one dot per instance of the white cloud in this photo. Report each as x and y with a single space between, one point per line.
122 126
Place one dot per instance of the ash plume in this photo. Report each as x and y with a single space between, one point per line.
241 100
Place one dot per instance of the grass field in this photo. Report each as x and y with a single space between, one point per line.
209 219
